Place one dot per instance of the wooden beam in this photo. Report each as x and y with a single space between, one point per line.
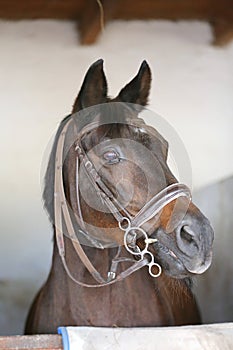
162 9
87 13
34 9
223 32
93 18
89 22
174 10
33 342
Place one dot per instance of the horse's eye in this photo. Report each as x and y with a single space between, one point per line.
111 156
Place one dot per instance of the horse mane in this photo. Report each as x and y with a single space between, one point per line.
48 192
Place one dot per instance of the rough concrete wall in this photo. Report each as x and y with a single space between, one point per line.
214 289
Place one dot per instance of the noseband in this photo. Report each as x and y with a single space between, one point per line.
131 226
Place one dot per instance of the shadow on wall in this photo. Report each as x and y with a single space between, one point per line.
214 290
15 300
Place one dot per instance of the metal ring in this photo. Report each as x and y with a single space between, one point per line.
158 267
141 252
122 222
151 256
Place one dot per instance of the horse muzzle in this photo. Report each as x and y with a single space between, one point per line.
194 239
188 249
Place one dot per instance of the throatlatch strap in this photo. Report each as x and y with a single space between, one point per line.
61 208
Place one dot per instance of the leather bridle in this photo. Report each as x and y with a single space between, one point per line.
131 226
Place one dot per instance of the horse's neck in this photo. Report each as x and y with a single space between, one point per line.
139 300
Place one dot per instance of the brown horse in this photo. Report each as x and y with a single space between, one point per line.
137 298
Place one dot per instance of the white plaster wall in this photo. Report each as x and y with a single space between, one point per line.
41 69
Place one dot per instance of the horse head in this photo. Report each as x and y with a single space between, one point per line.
129 163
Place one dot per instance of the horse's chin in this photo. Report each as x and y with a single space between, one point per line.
170 263
176 264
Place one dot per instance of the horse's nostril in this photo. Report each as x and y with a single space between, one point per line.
187 241
186 235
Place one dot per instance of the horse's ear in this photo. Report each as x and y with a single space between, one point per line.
94 88
137 90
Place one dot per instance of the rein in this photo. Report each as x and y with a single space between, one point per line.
131 226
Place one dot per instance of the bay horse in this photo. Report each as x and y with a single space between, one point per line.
111 204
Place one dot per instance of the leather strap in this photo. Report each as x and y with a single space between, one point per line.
61 212
61 209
